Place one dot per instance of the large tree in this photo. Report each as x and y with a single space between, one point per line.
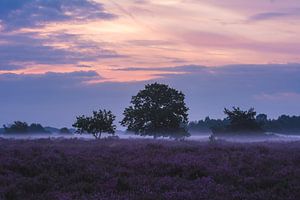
157 110
101 122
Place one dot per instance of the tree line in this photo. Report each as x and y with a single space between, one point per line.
19 127
282 124
23 127
160 111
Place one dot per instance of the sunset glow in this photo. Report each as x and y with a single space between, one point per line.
103 51
156 33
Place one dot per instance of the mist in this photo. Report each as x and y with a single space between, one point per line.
195 136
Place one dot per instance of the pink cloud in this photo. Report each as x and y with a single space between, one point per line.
282 96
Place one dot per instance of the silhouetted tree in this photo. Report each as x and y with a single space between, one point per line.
101 122
242 121
157 110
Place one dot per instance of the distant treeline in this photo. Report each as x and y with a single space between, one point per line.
19 127
283 124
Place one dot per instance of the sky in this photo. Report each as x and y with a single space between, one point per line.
62 58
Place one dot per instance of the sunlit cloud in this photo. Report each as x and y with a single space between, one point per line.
76 56
59 36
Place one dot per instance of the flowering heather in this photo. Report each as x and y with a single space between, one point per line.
148 170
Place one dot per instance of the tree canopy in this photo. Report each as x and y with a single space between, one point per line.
242 121
101 121
157 110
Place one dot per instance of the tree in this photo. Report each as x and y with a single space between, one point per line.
242 121
157 110
101 121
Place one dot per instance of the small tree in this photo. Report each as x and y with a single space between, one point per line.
242 121
101 122
157 110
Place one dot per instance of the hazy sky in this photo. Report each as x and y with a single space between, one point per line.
61 58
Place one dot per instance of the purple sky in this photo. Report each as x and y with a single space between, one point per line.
62 58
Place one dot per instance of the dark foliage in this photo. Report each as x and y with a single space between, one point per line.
52 129
242 121
101 122
22 127
208 125
37 128
157 110
64 131
237 121
283 124
16 127
135 170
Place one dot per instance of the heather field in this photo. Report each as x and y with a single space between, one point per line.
148 170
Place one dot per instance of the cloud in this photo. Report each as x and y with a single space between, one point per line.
23 48
43 35
292 12
267 16
283 97
184 68
26 48
16 14
211 89
56 98
229 42
49 79
234 69
43 97
9 67
149 42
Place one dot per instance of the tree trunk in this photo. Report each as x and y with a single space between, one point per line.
97 135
